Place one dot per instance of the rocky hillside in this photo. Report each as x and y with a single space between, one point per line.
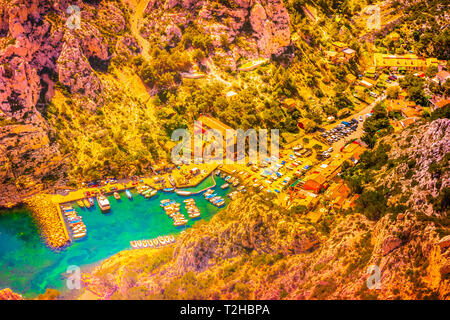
252 250
62 78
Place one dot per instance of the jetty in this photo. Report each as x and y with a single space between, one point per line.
49 218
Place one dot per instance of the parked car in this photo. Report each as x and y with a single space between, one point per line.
361 119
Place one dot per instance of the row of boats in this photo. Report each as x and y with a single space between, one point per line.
172 209
229 179
158 242
102 201
213 198
146 191
191 208
75 222
86 203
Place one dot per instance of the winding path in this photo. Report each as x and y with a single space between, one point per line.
136 20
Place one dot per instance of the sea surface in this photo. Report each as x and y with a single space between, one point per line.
28 266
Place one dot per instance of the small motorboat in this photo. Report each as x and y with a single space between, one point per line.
79 235
225 185
219 203
150 194
116 196
103 203
80 203
169 189
129 195
172 181
194 214
86 203
91 202
183 193
180 222
165 202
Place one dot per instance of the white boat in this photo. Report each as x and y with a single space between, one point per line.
128 193
225 185
103 203
183 193
79 235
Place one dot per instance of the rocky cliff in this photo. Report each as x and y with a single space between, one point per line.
253 250
265 22
8 294
62 63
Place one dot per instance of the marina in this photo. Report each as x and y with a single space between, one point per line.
133 217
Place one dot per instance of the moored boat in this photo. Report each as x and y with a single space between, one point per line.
224 186
116 196
128 193
183 193
86 203
103 203
79 235
80 203
91 201
172 181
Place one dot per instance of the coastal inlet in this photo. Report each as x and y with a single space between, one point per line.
29 266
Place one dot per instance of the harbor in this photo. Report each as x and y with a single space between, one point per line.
106 233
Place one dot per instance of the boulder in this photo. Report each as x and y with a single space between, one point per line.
444 243
8 294
74 70
389 244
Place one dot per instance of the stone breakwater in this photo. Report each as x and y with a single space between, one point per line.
49 221
8 294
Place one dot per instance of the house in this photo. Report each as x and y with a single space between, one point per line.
403 62
290 104
338 194
312 185
350 78
437 104
205 123
394 36
339 46
409 112
305 124
370 73
441 77
365 82
348 54
231 94
403 123
332 56
396 105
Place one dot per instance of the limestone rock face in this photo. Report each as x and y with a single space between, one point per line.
27 157
390 244
35 55
128 46
8 294
444 243
268 21
111 18
75 71
259 229
19 88
258 18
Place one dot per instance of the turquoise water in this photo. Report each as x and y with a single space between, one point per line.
29 267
